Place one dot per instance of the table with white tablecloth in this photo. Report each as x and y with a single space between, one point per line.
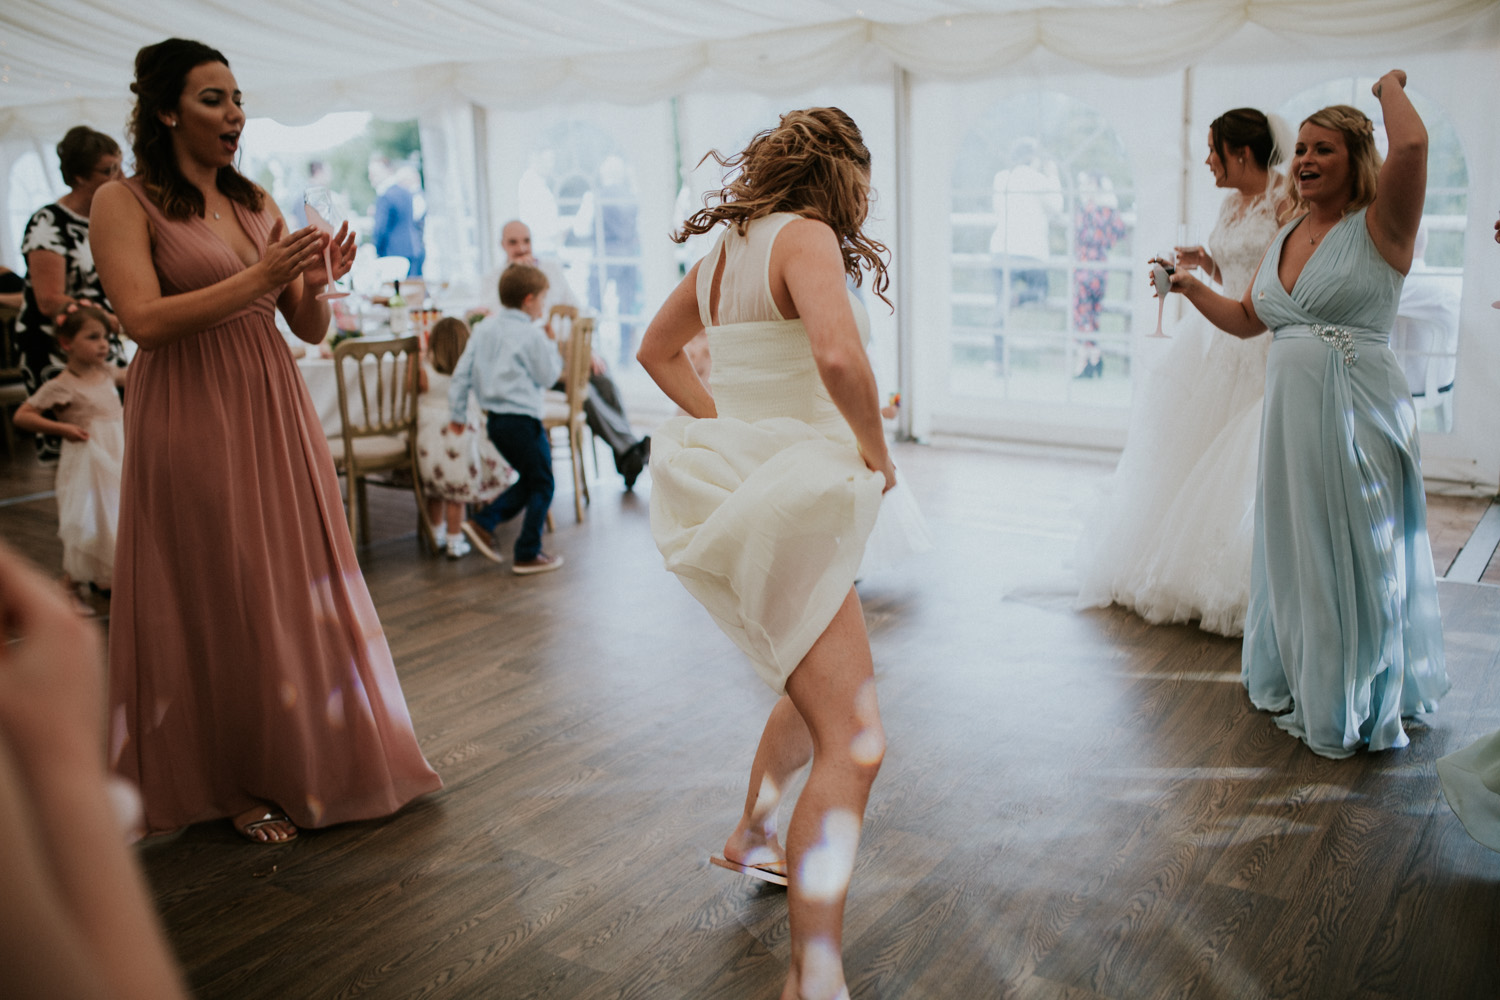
323 386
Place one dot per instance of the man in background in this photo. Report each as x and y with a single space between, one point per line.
602 406
397 232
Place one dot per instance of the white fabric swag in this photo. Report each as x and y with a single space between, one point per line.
66 61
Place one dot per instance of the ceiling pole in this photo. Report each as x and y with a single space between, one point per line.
482 207
1184 183
904 261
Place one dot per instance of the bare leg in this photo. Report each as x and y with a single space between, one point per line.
434 510
785 748
833 689
455 514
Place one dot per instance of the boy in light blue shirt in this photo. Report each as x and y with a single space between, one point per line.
508 364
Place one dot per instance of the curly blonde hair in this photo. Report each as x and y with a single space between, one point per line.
1364 159
814 163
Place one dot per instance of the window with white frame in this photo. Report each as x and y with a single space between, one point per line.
1042 222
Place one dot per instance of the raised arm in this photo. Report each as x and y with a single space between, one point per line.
1396 213
662 355
120 237
807 262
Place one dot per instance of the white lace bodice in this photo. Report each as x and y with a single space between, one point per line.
1240 238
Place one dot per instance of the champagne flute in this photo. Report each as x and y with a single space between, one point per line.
324 215
1161 277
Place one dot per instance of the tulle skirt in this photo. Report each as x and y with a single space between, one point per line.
1171 534
764 523
88 502
1471 784
900 531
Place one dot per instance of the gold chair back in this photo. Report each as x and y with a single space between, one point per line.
578 357
378 391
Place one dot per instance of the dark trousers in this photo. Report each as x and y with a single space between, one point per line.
605 414
523 443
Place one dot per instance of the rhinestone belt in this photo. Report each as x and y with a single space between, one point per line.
1339 338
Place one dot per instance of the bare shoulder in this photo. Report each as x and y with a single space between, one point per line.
115 197
808 239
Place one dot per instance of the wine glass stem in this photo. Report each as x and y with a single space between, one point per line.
328 265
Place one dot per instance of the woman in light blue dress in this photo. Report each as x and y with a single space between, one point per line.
1343 635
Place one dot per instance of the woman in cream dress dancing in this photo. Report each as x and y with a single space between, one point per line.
1170 538
764 494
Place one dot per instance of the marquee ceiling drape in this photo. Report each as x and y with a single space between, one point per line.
65 61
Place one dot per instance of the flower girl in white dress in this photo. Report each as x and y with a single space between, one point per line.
92 427
1171 537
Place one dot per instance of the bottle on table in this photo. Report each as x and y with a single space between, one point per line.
400 319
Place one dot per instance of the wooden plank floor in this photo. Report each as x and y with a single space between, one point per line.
1074 804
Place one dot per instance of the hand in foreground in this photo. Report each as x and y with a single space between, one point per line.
51 676
1397 76
454 428
288 255
72 432
341 255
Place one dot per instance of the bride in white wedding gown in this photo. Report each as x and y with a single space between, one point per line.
1170 537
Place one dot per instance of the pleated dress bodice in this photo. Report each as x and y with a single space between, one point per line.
1345 283
763 363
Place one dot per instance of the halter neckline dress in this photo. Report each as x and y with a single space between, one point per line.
1343 634
247 663
763 511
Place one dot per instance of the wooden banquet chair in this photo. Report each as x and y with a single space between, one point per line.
562 318
379 424
565 409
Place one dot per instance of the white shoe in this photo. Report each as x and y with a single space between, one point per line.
439 535
458 547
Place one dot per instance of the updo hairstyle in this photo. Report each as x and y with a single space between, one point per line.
161 72
1364 159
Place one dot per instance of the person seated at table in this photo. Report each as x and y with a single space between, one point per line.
602 407
508 364
12 289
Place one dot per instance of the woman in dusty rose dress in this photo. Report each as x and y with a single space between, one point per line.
249 676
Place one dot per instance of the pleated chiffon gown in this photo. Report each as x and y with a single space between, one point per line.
1343 634
762 512
247 663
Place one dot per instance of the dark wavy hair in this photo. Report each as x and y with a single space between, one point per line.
81 150
1246 128
161 72
814 163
